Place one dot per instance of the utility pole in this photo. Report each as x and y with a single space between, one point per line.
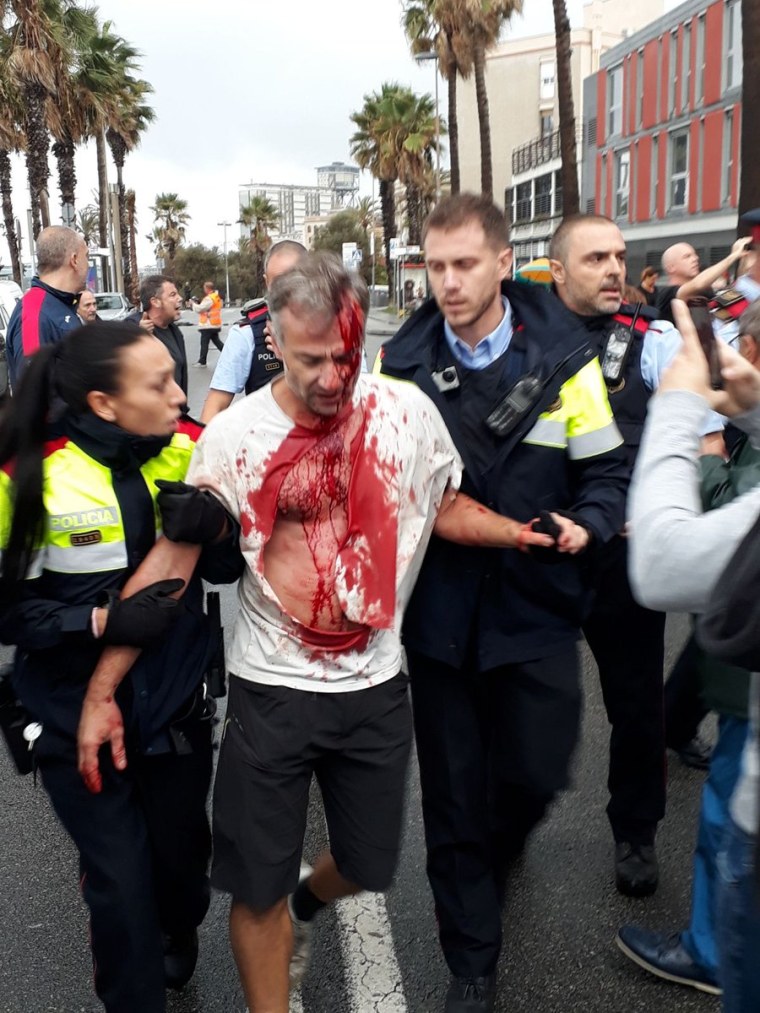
225 226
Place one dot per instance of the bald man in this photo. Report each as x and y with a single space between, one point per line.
680 263
48 310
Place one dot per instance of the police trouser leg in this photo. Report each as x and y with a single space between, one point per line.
628 644
493 750
173 791
110 833
684 707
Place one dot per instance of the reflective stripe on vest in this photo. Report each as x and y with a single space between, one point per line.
581 419
214 316
84 529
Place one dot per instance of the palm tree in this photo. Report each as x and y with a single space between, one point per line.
372 147
749 184
366 213
260 216
87 223
11 140
570 197
123 135
436 26
133 292
170 216
41 36
415 132
482 21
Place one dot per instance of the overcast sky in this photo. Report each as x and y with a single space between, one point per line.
252 91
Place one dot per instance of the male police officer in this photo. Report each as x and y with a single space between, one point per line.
48 310
247 362
491 641
587 260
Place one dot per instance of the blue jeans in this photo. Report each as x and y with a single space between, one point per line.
738 922
699 938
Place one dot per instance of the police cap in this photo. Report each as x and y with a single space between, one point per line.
752 218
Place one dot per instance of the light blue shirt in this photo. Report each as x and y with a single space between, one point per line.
488 349
234 363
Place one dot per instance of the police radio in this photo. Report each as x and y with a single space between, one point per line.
515 405
617 349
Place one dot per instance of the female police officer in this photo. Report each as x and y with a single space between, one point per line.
77 516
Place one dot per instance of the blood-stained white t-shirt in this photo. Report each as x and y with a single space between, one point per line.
402 461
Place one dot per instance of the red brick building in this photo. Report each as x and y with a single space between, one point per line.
661 132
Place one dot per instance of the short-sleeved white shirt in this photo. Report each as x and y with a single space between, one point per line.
407 444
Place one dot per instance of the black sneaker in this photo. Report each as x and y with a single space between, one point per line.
180 958
696 754
665 955
636 869
471 995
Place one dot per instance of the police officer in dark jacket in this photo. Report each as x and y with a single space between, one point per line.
246 362
491 640
77 516
587 258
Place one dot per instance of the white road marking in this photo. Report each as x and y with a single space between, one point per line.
373 978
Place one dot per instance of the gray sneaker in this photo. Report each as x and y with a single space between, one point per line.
299 960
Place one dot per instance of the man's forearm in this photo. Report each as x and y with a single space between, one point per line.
167 559
463 520
216 401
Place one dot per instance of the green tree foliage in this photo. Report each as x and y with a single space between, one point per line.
195 264
345 227
170 216
261 217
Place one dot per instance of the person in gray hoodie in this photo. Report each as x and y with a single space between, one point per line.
671 542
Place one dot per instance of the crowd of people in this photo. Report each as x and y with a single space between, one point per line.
476 515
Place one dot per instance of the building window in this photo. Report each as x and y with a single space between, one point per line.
699 62
727 162
547 124
523 202
654 174
732 33
679 168
543 196
686 68
557 194
546 82
622 182
615 117
672 58
640 87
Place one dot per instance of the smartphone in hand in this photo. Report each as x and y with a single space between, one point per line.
702 319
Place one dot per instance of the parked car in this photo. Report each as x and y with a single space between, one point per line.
112 306
10 294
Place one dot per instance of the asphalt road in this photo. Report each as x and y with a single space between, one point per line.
560 918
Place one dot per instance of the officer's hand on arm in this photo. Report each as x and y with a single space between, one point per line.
189 514
463 520
101 720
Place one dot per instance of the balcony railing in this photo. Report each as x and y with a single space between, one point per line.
534 153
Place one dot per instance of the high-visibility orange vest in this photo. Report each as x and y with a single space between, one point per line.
214 316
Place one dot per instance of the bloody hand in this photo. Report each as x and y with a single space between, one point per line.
101 722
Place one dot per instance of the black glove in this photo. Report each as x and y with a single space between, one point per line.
144 618
189 514
546 525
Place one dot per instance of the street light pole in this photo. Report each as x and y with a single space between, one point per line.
226 225
422 58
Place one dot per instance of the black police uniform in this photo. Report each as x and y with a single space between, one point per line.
265 365
626 639
491 635
144 841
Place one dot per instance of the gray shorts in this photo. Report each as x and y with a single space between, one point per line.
356 744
